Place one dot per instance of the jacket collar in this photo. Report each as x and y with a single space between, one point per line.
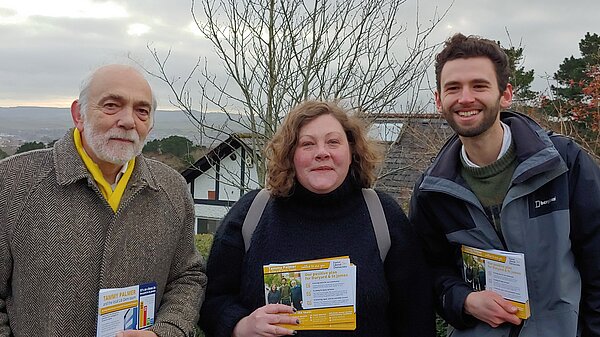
531 142
70 167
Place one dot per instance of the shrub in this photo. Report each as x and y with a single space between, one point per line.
440 327
203 243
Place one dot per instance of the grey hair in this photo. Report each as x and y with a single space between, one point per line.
84 91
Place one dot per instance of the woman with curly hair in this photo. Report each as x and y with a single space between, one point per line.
319 161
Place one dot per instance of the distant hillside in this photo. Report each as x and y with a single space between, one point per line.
46 124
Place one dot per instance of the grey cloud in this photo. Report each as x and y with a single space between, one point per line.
548 30
49 56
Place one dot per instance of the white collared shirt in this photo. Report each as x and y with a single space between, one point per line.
119 175
506 141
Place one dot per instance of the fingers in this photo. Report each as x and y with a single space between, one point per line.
265 321
278 308
277 317
491 308
510 311
283 319
507 306
279 331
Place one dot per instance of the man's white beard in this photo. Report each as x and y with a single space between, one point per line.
115 152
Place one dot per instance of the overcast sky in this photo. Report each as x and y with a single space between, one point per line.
47 46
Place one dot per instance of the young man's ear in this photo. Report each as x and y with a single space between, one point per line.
506 97
438 102
76 115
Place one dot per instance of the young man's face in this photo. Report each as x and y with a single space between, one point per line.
469 98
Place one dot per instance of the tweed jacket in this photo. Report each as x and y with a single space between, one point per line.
60 242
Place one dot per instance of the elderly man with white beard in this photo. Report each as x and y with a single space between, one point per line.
92 216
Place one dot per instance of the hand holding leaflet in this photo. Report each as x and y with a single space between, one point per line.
502 273
491 308
264 322
327 290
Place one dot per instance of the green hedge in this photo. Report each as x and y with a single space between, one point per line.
203 243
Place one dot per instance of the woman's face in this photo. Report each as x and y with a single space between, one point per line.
273 287
322 156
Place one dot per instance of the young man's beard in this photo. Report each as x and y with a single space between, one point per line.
490 113
113 152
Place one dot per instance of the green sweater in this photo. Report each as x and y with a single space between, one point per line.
490 183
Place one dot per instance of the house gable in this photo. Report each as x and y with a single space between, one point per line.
218 180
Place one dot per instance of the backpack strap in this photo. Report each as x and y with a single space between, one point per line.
253 216
380 225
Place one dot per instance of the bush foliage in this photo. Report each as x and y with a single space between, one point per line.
203 243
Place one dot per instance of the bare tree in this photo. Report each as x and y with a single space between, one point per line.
277 53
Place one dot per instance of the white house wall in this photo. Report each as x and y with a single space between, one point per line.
204 183
230 173
252 178
210 211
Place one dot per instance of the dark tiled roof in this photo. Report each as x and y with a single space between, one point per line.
421 138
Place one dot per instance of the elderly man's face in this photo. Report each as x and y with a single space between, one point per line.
118 118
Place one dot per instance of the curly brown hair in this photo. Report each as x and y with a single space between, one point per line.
281 173
459 46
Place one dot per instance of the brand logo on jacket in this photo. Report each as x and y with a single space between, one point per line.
540 203
547 199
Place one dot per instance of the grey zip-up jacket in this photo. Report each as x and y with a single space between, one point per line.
60 242
551 213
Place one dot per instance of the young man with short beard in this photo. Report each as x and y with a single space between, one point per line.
91 214
502 182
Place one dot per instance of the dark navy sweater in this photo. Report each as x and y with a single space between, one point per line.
394 299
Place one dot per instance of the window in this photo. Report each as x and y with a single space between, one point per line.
206 225
212 195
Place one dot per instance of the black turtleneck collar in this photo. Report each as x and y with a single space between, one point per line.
340 195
